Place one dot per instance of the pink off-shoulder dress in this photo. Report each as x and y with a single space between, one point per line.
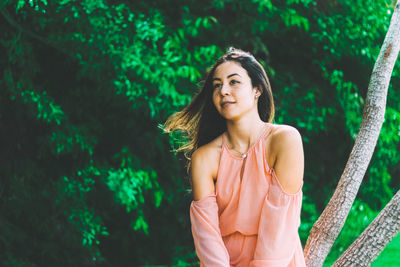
250 221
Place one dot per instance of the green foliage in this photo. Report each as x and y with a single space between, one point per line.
308 217
87 174
128 185
291 18
46 108
350 101
74 190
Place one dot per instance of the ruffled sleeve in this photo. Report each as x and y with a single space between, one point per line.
278 240
208 242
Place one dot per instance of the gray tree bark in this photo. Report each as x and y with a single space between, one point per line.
330 223
366 248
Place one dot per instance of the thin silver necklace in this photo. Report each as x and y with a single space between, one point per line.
244 155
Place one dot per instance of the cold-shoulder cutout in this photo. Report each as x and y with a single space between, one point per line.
203 172
289 140
203 199
276 180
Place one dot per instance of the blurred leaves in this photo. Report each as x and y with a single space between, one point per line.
87 176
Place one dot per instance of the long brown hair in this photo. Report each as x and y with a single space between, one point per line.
200 120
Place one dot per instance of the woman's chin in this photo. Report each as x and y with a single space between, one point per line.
229 116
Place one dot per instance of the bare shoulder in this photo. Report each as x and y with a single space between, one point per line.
287 148
204 168
283 136
208 153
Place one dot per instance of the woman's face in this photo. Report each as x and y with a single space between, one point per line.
233 94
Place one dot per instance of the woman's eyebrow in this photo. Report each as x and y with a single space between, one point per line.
230 75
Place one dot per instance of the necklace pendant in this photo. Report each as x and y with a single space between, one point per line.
244 155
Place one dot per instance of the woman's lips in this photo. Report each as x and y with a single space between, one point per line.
226 104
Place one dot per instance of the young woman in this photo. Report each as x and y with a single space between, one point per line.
246 172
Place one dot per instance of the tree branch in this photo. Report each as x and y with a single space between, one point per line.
366 248
330 223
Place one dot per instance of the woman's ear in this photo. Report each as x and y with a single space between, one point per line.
257 92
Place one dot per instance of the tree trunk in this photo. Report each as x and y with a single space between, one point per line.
374 239
330 223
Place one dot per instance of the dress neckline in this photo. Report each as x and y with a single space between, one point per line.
245 155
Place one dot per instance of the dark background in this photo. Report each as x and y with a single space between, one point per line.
87 176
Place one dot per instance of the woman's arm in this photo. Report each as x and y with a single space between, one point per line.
278 243
201 174
289 162
208 242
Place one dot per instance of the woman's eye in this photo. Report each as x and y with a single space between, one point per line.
216 85
234 81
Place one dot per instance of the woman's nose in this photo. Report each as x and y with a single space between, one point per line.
225 89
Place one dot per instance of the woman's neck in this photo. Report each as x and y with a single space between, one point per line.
242 134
